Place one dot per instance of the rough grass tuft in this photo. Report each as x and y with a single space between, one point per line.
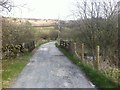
12 67
96 77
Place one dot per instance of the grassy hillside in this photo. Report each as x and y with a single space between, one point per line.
33 21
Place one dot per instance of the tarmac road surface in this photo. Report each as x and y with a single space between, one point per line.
49 68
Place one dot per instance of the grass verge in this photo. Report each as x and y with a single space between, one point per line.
96 77
11 68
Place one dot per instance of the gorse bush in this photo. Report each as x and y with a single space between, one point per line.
16 32
14 35
20 33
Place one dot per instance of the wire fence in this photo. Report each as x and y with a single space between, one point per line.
107 67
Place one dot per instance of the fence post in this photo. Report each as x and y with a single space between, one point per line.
82 52
97 56
74 49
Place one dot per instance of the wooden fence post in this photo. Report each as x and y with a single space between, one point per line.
74 45
61 43
97 56
82 52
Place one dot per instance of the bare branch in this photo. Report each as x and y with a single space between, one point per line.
6 5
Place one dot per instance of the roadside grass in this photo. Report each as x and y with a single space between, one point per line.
95 76
11 68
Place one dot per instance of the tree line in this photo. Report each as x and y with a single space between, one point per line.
96 24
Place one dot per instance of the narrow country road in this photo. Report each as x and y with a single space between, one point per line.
49 68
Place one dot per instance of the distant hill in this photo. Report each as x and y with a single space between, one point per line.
34 22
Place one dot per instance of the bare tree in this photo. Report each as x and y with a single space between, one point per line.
6 5
97 25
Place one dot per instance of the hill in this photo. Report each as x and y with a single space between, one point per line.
33 21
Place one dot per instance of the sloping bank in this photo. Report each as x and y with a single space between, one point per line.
97 78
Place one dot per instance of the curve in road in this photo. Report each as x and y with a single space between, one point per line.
49 68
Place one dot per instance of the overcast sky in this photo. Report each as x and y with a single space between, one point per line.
45 9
